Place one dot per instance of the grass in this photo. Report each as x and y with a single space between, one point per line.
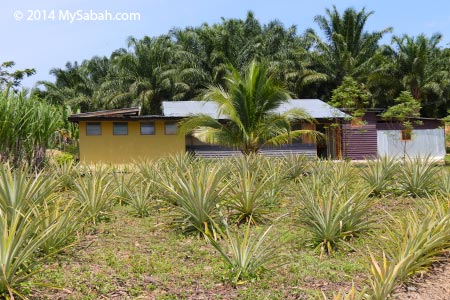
142 255
136 257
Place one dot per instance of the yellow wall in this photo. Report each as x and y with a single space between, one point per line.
118 149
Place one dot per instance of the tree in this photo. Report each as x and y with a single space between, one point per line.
145 75
404 112
418 65
247 102
351 95
12 78
348 49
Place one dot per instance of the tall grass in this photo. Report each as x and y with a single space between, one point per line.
26 129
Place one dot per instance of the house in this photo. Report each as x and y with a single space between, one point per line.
124 135
371 136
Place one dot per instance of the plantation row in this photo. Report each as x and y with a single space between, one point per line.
234 205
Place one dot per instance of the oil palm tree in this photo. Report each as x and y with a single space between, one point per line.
418 65
247 102
144 75
348 49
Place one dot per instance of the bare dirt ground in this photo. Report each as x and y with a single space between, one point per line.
435 285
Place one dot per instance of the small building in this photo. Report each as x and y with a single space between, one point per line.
371 136
124 135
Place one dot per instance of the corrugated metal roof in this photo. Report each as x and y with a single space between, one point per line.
315 107
189 108
119 113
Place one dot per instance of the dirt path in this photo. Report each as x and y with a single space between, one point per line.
433 286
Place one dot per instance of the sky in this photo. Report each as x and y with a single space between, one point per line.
46 34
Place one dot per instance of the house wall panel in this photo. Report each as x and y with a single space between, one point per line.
424 142
109 148
359 142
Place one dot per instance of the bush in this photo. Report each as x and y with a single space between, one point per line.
332 215
246 254
195 192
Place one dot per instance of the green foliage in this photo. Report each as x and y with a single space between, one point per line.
331 212
351 95
63 158
417 176
246 254
32 220
406 109
95 192
254 188
12 79
412 244
26 129
139 197
379 174
247 101
195 193
348 49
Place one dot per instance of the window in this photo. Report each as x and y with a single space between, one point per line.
170 128
93 128
147 128
407 134
120 128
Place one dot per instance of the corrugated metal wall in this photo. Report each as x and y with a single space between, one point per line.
360 142
424 142
218 151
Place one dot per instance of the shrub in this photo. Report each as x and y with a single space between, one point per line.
332 215
139 197
95 192
246 254
254 188
418 176
194 191
379 174
413 243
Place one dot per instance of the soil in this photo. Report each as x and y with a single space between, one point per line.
435 285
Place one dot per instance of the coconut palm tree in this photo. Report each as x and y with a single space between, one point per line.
247 102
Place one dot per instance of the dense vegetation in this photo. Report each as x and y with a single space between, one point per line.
241 228
180 64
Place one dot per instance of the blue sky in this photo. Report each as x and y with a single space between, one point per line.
45 44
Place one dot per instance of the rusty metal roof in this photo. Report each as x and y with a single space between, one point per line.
112 113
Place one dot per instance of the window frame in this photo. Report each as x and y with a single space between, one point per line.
147 123
120 123
88 124
170 123
406 135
